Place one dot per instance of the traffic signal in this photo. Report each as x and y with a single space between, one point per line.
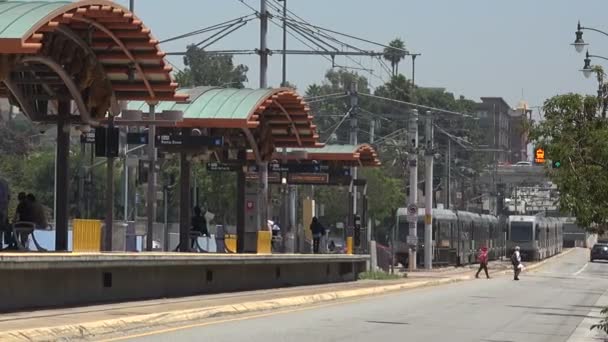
556 164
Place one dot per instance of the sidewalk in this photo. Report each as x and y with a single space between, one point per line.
104 321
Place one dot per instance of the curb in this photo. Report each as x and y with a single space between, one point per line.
107 328
111 327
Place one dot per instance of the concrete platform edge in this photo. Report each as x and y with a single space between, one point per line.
108 328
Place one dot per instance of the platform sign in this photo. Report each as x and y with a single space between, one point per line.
88 137
412 213
412 240
189 140
137 138
223 167
308 178
295 168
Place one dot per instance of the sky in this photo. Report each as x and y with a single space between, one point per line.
516 49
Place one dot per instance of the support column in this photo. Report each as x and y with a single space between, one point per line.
428 198
240 206
413 198
263 195
184 202
293 195
62 166
151 195
109 227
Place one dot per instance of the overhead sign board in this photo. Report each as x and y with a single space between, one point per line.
296 168
412 213
223 167
308 178
88 137
189 140
137 138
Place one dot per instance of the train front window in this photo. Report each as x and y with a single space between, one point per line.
521 231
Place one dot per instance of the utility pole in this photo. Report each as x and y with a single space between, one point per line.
448 174
131 5
372 131
151 195
413 198
263 48
263 165
428 198
354 103
284 78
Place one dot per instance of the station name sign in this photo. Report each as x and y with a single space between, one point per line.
189 140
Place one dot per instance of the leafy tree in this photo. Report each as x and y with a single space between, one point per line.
394 54
203 69
574 135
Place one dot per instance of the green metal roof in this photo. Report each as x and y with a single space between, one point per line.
213 103
18 17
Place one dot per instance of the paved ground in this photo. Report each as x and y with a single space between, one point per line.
547 305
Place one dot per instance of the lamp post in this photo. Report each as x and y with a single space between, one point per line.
579 44
588 69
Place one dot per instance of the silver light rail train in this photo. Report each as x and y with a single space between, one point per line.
538 237
457 236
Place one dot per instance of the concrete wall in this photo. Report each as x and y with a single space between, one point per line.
24 289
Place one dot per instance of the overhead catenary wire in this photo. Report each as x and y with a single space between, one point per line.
214 27
232 29
416 105
339 123
314 34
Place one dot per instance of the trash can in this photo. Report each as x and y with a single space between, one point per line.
86 236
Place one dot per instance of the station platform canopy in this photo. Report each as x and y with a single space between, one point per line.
94 52
348 155
278 116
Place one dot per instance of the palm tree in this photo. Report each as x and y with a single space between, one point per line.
394 53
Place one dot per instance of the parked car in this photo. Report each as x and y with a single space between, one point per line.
523 163
599 252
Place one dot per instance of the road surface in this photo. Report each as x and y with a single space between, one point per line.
546 305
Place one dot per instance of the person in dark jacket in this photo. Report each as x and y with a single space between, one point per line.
199 224
318 231
38 213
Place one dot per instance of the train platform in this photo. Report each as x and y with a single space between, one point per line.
50 280
113 320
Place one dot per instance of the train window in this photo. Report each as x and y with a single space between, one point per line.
537 232
521 231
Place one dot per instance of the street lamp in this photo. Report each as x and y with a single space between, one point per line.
579 43
588 68
587 71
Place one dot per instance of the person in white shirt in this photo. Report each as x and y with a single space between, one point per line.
516 261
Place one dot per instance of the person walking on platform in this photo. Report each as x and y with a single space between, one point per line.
516 261
318 231
199 224
482 257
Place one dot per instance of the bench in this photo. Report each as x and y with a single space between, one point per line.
21 231
194 235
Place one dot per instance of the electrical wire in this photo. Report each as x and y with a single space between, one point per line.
224 24
312 33
417 105
322 96
326 99
340 123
